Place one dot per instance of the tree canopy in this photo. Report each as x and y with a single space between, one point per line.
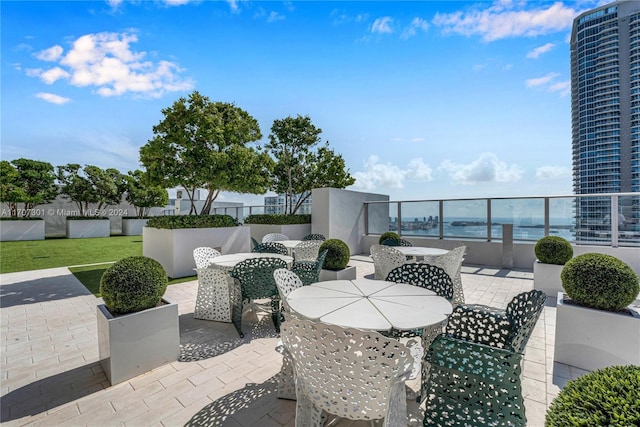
91 185
31 182
143 195
204 144
299 166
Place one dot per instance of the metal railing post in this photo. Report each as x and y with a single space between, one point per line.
614 221
441 218
366 218
488 220
546 216
400 219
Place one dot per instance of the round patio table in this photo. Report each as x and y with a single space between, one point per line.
227 262
289 244
369 304
420 251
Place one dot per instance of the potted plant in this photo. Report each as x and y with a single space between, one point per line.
606 397
552 252
170 240
335 263
293 226
143 196
137 328
388 235
595 324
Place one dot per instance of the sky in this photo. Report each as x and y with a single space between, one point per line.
423 99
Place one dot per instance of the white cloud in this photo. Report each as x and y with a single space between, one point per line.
504 19
176 2
552 172
382 25
52 98
114 3
106 62
539 81
380 175
564 87
51 54
275 16
487 168
416 24
535 53
233 5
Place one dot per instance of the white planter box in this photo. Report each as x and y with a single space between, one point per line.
173 249
593 339
292 231
132 344
21 230
133 226
546 278
82 228
347 273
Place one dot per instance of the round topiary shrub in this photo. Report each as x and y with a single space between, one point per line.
337 254
133 284
388 235
600 281
553 250
606 397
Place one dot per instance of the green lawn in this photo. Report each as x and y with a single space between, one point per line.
49 253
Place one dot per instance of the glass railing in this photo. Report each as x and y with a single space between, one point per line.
581 219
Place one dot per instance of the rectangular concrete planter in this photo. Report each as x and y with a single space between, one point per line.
347 273
21 230
292 231
132 344
173 248
83 228
133 226
546 278
593 339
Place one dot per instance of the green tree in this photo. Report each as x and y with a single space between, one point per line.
299 166
91 186
204 144
31 182
142 194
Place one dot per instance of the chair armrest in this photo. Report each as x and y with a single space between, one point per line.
479 324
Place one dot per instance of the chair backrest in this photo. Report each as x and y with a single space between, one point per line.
256 277
306 250
274 237
424 275
286 281
385 259
313 236
254 243
203 255
390 242
271 248
346 371
451 262
523 311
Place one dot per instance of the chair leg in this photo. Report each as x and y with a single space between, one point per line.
276 315
236 308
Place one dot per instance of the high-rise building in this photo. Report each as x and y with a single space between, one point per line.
605 109
277 204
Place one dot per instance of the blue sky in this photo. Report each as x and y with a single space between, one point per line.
423 99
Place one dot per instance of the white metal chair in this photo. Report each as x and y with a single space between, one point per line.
307 250
353 374
213 301
274 237
286 281
451 262
203 255
385 259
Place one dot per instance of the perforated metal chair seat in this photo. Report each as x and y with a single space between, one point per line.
213 301
271 248
314 236
274 237
309 271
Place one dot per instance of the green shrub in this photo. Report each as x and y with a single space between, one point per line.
192 221
600 281
388 235
337 254
278 219
606 397
553 250
133 284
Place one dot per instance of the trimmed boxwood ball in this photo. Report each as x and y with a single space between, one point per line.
553 250
337 254
600 281
606 397
388 235
133 284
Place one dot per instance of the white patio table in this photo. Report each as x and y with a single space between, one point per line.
227 262
289 244
416 252
369 304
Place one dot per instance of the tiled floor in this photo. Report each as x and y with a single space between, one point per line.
50 373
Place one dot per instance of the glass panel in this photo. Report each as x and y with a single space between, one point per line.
593 220
420 219
562 218
629 221
465 218
526 216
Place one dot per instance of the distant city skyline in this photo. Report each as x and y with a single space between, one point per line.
424 100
